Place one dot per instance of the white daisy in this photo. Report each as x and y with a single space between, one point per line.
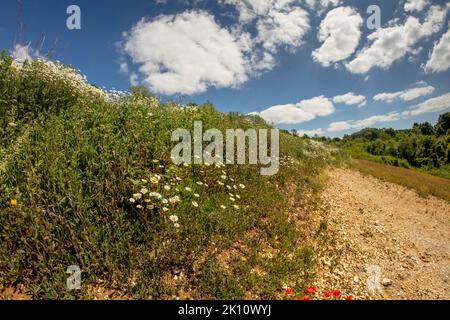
173 218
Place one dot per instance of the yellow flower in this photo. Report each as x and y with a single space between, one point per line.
13 202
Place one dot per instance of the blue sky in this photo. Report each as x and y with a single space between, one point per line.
310 65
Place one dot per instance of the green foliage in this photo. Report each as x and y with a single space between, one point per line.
71 157
424 146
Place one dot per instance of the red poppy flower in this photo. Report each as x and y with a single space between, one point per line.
294 298
306 298
326 294
349 298
337 293
289 291
311 290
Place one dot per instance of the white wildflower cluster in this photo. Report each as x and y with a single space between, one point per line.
288 161
58 72
174 190
318 150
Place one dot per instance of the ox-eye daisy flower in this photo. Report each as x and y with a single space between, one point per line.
173 218
195 204
154 180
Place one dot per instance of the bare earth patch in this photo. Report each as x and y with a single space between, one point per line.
375 224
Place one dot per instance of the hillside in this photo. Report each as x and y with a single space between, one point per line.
86 179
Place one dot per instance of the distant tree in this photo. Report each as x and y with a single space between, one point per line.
424 128
443 125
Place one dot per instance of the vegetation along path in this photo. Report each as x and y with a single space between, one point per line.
382 226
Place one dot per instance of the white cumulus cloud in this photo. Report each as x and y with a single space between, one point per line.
310 133
395 41
350 99
186 53
440 57
432 105
415 5
405 95
303 111
339 33
437 104
364 123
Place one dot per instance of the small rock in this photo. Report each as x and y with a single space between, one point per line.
386 282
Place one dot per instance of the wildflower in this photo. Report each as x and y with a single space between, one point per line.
199 183
223 207
165 201
289 291
349 298
155 161
306 298
178 178
132 200
174 200
195 204
311 289
242 186
196 195
154 180
144 181
144 191
221 183
155 195
232 199
337 293
238 196
236 207
176 225
326 294
137 196
139 206
188 189
173 218
165 209
13 202
228 187
166 187
224 177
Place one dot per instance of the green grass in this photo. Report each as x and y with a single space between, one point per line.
72 158
425 184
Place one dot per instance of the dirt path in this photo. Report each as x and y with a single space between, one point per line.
386 236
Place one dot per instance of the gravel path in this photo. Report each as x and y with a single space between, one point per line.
387 242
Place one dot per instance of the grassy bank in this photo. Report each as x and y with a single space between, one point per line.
425 184
86 179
